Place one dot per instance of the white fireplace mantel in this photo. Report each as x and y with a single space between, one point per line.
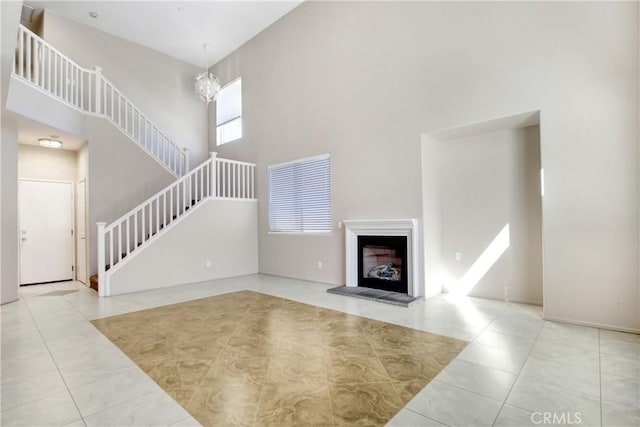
382 227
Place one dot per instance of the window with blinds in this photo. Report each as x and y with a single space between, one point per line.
229 113
300 196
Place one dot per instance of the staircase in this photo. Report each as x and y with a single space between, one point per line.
129 235
93 280
46 69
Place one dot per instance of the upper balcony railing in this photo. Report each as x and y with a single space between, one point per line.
43 66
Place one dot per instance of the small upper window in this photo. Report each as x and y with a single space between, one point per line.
229 113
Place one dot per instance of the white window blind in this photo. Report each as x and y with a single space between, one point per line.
300 196
229 112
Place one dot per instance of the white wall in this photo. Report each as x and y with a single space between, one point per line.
161 86
36 162
490 181
44 108
9 211
363 81
431 216
121 176
10 17
222 232
82 165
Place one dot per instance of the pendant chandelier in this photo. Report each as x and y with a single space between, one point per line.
206 85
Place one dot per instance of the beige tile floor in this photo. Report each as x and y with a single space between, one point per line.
58 369
247 358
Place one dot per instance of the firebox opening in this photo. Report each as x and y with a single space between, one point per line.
382 262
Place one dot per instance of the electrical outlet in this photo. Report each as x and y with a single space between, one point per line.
319 265
458 256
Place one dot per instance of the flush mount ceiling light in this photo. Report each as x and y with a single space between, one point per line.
93 14
51 142
206 85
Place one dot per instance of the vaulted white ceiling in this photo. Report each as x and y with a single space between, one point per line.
177 28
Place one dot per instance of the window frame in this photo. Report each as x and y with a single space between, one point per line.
226 122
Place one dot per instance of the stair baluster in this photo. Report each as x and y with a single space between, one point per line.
157 216
45 68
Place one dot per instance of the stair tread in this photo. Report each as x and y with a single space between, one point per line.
93 282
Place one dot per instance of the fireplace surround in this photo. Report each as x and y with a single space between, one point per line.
382 254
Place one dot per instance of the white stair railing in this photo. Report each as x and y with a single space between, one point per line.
215 178
43 66
234 179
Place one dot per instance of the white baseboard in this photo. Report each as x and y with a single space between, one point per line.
591 324
300 278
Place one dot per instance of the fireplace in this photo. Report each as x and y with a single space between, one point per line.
371 245
382 262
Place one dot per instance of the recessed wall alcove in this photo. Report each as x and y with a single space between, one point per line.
482 190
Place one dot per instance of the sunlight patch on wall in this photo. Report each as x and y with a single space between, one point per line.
483 264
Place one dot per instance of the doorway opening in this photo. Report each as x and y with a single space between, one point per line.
81 231
52 205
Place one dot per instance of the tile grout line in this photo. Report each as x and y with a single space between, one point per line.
483 330
519 373
136 367
473 341
600 374
400 323
324 361
464 389
377 357
429 418
55 363
224 347
118 404
366 335
484 366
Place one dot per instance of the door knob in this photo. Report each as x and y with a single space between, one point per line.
24 239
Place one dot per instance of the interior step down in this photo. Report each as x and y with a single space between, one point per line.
93 280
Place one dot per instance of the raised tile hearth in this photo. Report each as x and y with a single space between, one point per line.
387 297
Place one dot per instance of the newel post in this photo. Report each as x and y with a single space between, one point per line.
102 284
186 160
213 173
98 98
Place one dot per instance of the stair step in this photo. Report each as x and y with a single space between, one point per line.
93 283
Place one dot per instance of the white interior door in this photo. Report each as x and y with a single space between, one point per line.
81 232
46 231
